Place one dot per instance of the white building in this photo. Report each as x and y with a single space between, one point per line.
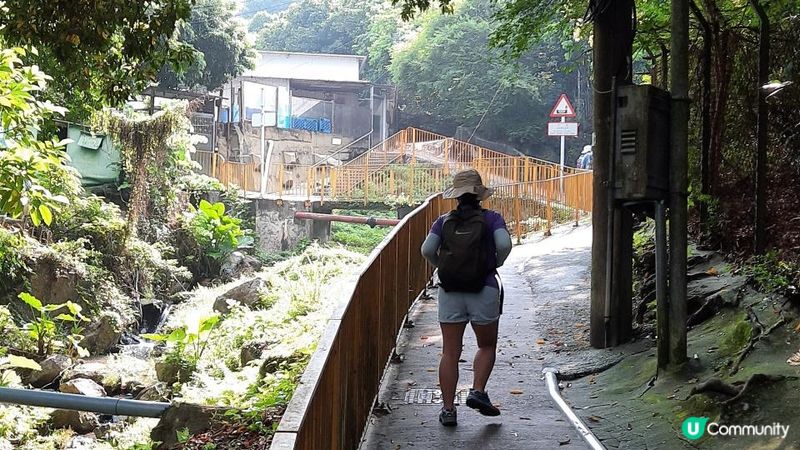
307 66
320 93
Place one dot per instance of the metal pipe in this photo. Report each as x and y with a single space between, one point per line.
550 376
609 281
662 286
102 405
371 221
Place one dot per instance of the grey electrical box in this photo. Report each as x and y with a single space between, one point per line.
641 154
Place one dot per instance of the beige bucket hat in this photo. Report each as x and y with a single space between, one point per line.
468 182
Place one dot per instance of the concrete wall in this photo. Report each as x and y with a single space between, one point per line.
278 230
351 116
307 66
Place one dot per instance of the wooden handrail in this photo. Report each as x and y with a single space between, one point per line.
334 398
344 373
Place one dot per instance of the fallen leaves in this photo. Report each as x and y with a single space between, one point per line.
516 392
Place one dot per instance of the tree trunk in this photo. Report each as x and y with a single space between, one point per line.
705 116
719 105
761 145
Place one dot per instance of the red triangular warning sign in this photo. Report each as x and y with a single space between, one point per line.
562 108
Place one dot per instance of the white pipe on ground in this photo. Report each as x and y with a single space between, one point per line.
551 377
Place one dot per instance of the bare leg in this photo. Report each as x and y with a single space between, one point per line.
452 335
485 356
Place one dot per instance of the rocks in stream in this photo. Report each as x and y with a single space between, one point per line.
82 386
157 392
97 372
52 368
170 371
179 416
248 294
102 334
238 264
252 351
79 421
277 357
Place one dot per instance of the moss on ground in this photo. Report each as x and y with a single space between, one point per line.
735 335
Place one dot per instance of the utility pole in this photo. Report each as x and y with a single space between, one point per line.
612 48
679 162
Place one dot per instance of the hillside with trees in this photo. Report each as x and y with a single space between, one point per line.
447 74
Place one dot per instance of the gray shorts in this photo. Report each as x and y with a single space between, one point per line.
481 308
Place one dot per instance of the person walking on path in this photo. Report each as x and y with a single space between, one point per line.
467 245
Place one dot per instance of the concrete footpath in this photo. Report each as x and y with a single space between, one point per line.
410 400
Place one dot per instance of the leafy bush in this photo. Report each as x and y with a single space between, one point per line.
207 236
772 274
218 234
187 345
35 181
13 264
11 336
62 332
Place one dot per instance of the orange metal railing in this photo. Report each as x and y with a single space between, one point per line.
246 175
410 165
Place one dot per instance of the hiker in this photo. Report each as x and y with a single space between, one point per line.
585 160
466 246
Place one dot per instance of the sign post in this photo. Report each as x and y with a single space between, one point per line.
561 110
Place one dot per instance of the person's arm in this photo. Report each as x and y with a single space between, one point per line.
430 249
502 242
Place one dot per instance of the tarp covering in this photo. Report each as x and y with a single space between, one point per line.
93 156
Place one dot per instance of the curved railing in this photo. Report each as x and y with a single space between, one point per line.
334 398
408 167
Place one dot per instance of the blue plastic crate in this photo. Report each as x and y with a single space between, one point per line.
304 123
325 126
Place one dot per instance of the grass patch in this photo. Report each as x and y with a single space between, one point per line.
357 237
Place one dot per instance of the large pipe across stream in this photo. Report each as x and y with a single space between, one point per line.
102 405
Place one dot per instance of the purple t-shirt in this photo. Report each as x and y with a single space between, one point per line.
494 222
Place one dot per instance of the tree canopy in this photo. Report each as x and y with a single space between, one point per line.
449 76
253 7
324 26
221 50
99 53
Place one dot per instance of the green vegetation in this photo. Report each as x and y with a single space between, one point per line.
771 273
735 335
100 54
447 75
221 51
358 237
34 178
207 236
51 332
285 326
252 7
186 344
